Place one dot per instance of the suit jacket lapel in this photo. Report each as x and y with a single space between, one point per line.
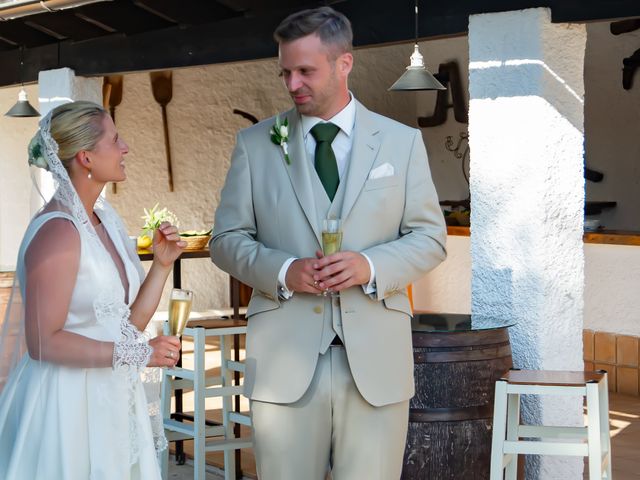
298 171
363 153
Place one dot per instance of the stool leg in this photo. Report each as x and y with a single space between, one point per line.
225 374
603 391
513 422
165 408
199 404
499 430
594 438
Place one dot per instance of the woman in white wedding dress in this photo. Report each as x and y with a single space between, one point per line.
73 406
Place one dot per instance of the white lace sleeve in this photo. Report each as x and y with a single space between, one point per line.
133 349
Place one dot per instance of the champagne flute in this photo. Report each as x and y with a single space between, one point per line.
179 310
331 240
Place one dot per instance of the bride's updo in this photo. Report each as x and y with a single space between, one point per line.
75 126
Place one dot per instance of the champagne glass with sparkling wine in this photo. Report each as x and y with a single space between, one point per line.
179 310
331 239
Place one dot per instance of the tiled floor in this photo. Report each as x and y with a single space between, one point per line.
624 419
625 442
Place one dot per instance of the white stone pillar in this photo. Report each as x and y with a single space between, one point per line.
55 88
527 189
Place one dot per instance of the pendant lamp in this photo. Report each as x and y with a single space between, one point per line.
417 77
22 108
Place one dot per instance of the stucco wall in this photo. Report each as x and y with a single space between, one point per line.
15 180
612 280
612 125
202 130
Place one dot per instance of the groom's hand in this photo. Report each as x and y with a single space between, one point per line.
300 276
341 270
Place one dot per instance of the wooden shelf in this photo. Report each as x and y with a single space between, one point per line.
605 237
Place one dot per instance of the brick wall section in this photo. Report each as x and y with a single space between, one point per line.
618 355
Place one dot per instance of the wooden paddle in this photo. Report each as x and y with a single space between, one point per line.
162 88
111 98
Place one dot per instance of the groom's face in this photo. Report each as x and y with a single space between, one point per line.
315 76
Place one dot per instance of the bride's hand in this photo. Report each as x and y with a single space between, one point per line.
166 351
167 245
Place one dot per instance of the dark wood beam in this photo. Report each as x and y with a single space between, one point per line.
145 41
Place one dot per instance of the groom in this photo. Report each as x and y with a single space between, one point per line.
329 377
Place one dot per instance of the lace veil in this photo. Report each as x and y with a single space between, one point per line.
43 152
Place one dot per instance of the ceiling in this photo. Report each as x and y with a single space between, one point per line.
118 36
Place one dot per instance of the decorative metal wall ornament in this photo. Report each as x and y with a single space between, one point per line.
461 155
449 75
417 77
632 63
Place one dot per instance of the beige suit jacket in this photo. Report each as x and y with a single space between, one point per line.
267 215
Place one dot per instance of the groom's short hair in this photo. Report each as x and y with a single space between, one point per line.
333 28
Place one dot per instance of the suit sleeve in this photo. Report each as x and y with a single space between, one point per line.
234 245
420 246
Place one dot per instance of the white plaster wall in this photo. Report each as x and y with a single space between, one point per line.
612 125
526 136
15 180
445 168
447 288
612 282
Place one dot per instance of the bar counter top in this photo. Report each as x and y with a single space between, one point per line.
607 237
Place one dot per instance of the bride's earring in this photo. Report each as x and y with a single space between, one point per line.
89 176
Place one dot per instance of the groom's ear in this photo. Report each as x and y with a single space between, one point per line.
345 63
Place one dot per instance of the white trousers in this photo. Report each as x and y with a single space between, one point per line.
331 428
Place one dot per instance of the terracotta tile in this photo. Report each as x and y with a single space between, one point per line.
627 380
587 344
605 347
627 351
611 377
589 366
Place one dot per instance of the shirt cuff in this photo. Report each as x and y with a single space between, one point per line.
283 292
370 287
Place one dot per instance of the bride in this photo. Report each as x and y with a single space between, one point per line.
72 407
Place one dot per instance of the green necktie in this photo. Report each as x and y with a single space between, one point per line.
325 159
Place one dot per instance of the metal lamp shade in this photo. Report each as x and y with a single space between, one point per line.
22 108
417 77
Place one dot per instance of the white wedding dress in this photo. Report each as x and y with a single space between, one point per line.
65 423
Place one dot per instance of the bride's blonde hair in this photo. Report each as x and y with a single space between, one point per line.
76 126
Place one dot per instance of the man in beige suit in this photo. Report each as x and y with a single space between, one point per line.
329 377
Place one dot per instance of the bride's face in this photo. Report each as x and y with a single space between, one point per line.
107 158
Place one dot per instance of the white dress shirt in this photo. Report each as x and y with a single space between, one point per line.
341 145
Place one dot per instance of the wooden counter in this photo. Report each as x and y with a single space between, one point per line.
605 237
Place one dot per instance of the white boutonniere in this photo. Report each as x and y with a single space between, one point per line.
280 136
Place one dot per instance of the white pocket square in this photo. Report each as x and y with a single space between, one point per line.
384 170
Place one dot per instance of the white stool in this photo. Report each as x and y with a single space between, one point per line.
203 387
591 441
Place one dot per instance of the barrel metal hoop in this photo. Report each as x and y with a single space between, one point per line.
454 414
491 353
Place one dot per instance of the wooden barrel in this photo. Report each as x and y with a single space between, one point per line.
450 416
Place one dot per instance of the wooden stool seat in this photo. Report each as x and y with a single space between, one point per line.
510 438
215 322
552 377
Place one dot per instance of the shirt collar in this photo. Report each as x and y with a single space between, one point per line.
345 119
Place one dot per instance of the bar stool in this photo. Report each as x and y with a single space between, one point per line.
591 441
200 430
